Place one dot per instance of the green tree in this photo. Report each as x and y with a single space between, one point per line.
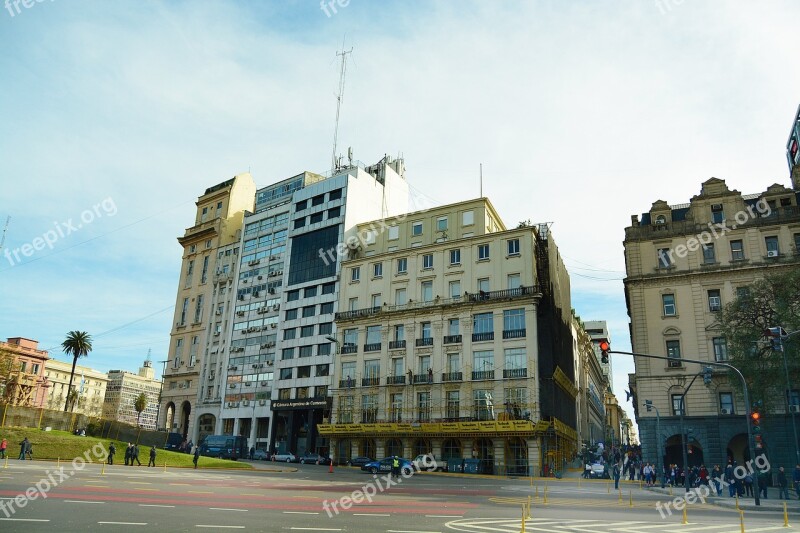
6 366
77 344
770 302
140 404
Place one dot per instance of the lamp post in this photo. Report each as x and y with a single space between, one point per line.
685 436
779 334
649 405
160 391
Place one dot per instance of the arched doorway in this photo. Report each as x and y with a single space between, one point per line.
738 449
516 456
205 426
422 446
484 451
673 451
366 448
186 410
169 420
394 447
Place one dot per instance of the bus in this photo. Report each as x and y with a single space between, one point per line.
224 447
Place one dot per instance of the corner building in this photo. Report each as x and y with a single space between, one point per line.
454 337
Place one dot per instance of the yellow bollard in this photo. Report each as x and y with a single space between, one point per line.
608 487
741 520
165 466
737 502
630 498
58 462
785 516
641 483
6 465
545 494
685 520
670 490
536 492
522 530
103 470
529 506
619 493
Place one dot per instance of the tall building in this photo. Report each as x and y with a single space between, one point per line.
25 383
210 254
88 383
684 263
598 331
122 391
455 339
592 385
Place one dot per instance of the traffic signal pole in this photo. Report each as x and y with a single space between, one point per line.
747 406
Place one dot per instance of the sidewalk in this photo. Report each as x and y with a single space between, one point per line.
745 504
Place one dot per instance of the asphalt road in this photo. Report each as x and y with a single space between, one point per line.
141 498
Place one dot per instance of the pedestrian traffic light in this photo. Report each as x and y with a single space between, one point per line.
707 375
604 348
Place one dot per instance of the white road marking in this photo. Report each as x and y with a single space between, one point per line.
221 527
80 501
314 529
24 520
154 505
298 512
409 531
371 514
444 515
226 509
125 523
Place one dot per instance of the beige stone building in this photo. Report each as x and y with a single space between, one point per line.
22 379
202 308
122 390
684 263
90 384
592 386
454 335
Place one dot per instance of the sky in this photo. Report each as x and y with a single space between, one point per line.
117 115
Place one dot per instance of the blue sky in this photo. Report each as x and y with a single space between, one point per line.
582 113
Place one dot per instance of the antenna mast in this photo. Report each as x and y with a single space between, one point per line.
481 179
342 71
5 228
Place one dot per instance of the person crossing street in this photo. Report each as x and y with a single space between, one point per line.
152 461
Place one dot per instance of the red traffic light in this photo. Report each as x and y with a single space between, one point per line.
755 417
604 346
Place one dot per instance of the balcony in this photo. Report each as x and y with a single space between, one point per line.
423 378
346 383
349 348
515 373
483 296
452 339
395 380
396 345
372 347
370 382
425 341
478 337
358 313
452 376
514 333
483 374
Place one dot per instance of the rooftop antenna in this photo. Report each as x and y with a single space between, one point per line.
5 228
342 71
481 180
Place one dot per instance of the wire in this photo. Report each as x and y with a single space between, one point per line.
596 278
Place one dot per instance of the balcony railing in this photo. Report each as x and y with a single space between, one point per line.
395 345
452 339
395 380
423 378
370 382
346 383
372 347
515 373
497 295
349 348
483 374
358 313
425 341
477 337
514 333
452 376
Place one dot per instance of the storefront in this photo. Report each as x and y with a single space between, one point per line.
295 426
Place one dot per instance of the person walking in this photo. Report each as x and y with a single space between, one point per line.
135 455
762 483
4 445
748 485
111 451
796 480
716 474
783 485
128 455
196 456
617 474
731 480
29 451
22 447
152 461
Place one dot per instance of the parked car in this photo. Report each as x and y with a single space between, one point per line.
385 465
285 457
314 458
426 462
261 455
359 461
599 471
173 442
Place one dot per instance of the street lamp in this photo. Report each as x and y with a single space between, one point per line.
334 339
649 405
160 391
779 334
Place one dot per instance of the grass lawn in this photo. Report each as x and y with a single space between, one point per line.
61 444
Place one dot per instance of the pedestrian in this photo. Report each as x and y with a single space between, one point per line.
748 485
23 447
716 474
396 466
252 452
196 455
795 480
616 476
587 472
111 451
135 455
128 455
731 480
783 485
4 445
29 451
762 483
152 461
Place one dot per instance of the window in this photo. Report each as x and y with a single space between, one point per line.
426 330
455 257
326 308
797 243
316 217
720 348
309 311
291 314
198 309
373 335
668 304
709 257
664 258
483 252
452 401
467 218
303 372
423 364
737 251
352 304
416 228
376 300
287 353
674 353
334 212
302 392
309 292
677 407
514 320
513 247
286 373
350 338
714 300
482 404
321 391
424 406
726 403
184 311
335 195
452 327
427 261
329 288
441 224
377 270
299 222
372 369
394 233
299 206
355 273
427 291
514 281
400 297
396 409
742 292
326 328
204 273
483 323
772 246
307 331
455 289
324 349
515 358
402 265
284 394
399 334
292 296
483 285
717 214
318 200
289 333
306 351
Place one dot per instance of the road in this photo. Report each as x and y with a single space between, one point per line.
140 498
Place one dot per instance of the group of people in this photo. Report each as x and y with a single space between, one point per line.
25 449
131 455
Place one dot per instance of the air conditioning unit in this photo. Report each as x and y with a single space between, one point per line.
271 290
276 307
247 384
218 312
272 274
233 368
239 313
255 294
273 326
279 273
724 411
262 402
269 363
264 383
216 333
794 408
229 404
772 253
244 281
233 385
245 403
265 345
260 277
234 404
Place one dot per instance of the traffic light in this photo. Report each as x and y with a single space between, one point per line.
755 420
707 376
604 348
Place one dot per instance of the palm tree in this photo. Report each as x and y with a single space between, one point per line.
140 404
77 344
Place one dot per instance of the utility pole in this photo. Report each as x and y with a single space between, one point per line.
342 71
5 228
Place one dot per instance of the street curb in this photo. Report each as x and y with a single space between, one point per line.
730 503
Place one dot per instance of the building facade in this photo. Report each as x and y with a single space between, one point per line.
454 339
122 390
683 264
90 385
598 331
25 382
592 386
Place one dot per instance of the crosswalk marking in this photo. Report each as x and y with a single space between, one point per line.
553 525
